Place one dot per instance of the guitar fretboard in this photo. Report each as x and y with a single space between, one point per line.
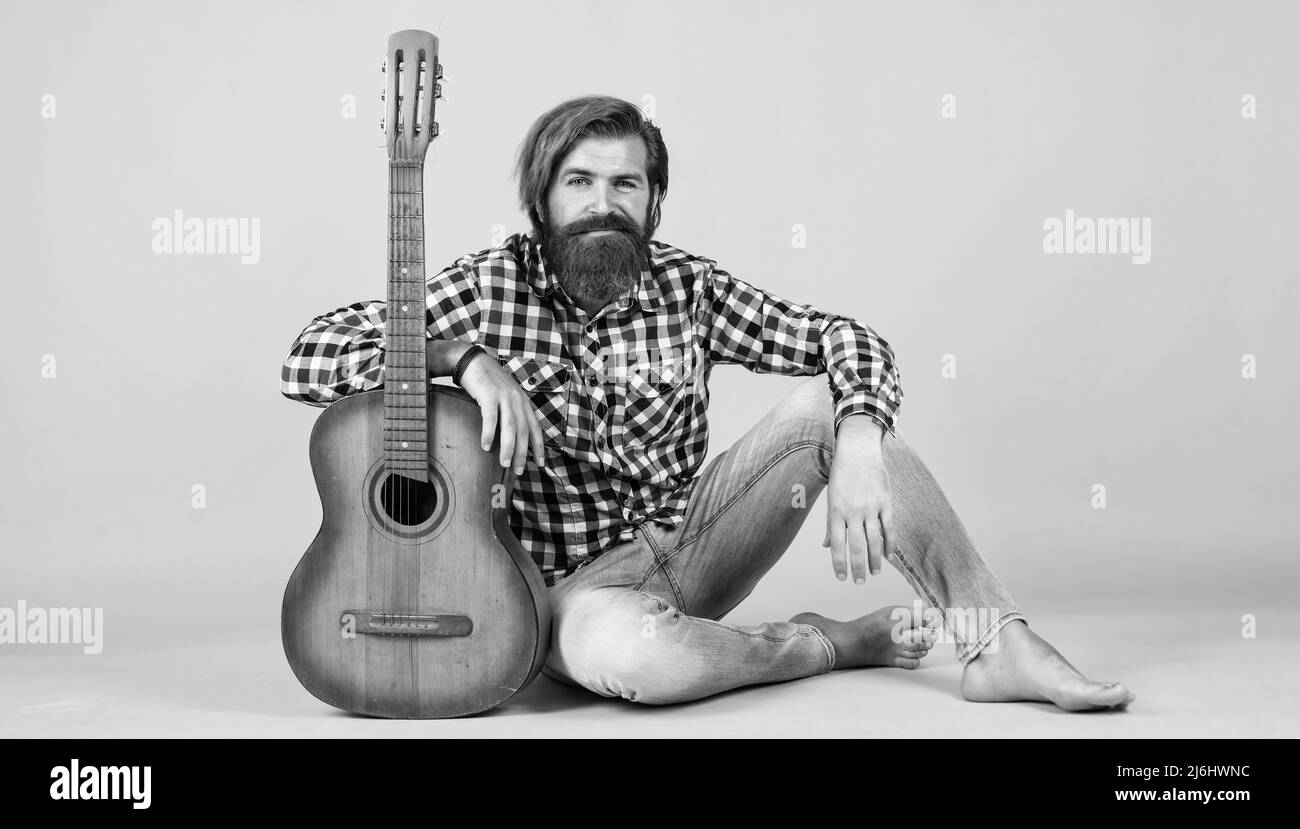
406 378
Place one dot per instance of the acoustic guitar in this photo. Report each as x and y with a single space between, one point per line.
415 599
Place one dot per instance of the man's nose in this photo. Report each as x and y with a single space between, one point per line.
599 201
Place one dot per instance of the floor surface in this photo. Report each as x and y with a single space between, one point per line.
1194 673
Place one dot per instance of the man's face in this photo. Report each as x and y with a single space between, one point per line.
596 218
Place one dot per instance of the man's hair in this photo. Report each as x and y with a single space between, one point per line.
553 135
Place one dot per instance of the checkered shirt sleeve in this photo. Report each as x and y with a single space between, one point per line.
767 334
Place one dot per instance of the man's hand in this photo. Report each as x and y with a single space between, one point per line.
501 399
859 515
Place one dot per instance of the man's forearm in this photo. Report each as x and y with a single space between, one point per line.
442 356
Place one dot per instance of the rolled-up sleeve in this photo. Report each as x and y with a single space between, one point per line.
342 352
766 333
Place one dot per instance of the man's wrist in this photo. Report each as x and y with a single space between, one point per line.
462 365
861 426
442 356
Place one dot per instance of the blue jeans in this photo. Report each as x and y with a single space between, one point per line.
641 621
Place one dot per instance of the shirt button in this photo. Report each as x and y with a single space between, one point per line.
592 380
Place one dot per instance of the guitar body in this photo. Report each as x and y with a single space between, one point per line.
434 610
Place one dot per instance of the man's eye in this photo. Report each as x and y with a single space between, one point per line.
576 180
628 183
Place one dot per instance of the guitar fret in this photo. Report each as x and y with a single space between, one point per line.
406 421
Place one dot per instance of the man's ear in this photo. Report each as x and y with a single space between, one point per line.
654 201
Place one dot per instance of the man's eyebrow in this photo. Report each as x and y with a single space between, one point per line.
579 171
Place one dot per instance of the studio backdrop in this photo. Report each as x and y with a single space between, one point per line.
1073 222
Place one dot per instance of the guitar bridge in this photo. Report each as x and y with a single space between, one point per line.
405 624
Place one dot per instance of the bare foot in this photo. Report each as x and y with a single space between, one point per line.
871 639
1024 666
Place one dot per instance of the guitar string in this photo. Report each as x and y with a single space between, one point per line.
403 232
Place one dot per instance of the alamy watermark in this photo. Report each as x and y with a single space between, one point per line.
77 782
25 625
1130 236
177 234
951 625
656 365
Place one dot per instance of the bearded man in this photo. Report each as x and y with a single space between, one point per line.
588 346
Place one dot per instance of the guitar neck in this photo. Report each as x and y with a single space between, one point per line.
406 378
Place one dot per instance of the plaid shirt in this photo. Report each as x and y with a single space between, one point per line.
622 395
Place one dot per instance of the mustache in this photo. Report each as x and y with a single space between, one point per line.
613 221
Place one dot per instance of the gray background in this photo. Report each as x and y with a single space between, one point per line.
1072 370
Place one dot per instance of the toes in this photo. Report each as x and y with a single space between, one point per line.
1114 694
1126 697
916 636
1101 695
907 662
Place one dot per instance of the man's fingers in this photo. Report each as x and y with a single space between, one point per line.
539 438
489 411
507 434
524 423
838 560
858 552
887 525
875 544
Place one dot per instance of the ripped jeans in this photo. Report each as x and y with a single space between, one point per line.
642 620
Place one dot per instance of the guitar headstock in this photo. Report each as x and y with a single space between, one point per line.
411 81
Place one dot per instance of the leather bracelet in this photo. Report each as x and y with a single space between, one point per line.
463 362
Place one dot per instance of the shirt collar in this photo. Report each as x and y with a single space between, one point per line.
542 281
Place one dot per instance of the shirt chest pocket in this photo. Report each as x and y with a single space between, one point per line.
547 384
650 409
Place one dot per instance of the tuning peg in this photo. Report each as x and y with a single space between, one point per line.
381 124
437 90
433 130
437 70
383 67
382 93
424 65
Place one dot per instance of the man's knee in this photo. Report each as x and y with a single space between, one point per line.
611 640
809 410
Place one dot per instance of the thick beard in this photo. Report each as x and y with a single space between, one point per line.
596 268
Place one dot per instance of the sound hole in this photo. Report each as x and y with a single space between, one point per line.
408 502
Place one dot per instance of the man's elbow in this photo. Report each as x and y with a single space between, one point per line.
310 393
303 382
